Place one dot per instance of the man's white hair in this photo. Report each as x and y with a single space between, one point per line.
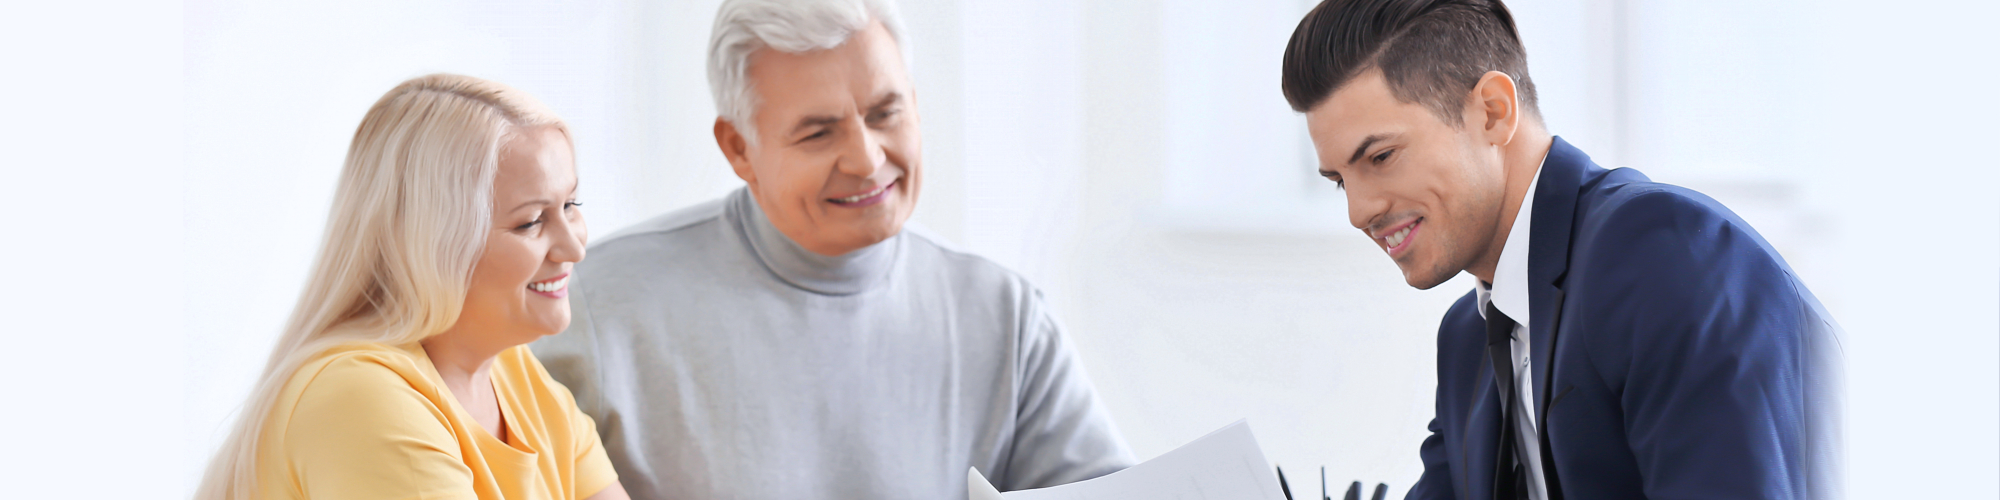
790 26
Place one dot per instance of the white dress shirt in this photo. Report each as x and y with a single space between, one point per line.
1509 293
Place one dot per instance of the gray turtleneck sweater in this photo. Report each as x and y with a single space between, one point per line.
722 360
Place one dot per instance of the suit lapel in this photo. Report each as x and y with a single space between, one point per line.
1563 173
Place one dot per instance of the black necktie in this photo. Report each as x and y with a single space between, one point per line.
1509 481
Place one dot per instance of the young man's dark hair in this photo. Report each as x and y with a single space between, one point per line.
1431 51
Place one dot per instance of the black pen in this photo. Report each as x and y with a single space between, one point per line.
1322 484
1282 485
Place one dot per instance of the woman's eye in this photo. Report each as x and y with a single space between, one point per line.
572 203
1382 156
530 225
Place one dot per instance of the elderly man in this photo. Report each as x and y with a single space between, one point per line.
791 340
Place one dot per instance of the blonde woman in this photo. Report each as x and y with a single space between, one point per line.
402 372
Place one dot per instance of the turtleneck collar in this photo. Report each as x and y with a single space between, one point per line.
855 272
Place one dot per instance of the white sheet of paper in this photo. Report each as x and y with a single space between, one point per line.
1224 465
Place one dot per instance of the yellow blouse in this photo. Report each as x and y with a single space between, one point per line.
374 421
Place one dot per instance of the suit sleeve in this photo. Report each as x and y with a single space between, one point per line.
1062 434
1435 483
360 431
1714 376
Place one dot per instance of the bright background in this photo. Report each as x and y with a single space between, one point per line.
172 166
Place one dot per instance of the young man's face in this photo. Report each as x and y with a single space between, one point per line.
1429 194
838 160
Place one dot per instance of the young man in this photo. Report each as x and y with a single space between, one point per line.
792 340
1627 339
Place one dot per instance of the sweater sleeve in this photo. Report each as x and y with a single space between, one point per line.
1062 433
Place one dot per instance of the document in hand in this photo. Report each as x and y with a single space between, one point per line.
1224 465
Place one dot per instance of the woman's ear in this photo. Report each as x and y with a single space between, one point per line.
734 148
1495 108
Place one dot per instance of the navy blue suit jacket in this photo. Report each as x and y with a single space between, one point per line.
1675 354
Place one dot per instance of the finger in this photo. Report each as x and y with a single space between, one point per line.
1354 491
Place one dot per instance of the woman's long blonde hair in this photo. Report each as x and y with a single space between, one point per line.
409 222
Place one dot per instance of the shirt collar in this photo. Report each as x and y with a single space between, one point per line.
845 274
1509 292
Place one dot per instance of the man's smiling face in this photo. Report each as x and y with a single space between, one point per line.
838 163
1415 184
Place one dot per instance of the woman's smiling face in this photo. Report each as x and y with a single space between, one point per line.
519 290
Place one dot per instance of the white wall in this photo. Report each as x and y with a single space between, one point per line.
90 317
1062 138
